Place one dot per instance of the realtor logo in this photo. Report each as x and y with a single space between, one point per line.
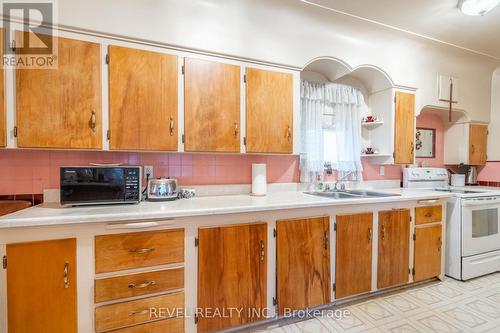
29 41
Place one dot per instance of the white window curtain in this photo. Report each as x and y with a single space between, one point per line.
327 105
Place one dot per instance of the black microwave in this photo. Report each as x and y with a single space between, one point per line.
96 185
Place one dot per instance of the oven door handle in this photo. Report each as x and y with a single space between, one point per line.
483 202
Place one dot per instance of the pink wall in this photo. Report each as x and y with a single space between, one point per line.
490 173
30 171
427 120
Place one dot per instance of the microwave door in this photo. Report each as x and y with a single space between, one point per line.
480 226
94 185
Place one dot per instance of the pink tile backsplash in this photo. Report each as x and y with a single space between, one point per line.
31 171
490 172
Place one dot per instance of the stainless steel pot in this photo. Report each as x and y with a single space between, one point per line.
162 189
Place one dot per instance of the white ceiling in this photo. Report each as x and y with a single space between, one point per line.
437 19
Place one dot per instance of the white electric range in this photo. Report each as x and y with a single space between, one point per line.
472 223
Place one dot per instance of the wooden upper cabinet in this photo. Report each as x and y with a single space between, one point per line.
303 263
211 106
232 273
428 244
404 145
61 108
269 111
353 254
143 94
41 282
478 144
393 248
3 129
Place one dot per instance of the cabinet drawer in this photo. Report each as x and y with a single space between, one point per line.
130 313
428 214
140 249
174 325
131 285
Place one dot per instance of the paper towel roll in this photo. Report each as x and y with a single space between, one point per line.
259 179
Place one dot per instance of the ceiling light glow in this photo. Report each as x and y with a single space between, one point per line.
477 7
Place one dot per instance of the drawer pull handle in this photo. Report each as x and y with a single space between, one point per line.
142 285
428 214
142 251
139 312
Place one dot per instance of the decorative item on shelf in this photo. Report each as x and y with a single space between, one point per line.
369 151
370 119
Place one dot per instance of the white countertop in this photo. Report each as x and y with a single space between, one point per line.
54 214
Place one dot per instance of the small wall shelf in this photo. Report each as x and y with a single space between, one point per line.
376 155
371 124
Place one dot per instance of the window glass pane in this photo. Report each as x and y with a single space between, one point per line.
484 222
329 146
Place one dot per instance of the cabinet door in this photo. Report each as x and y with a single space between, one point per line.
353 259
143 87
211 106
404 128
269 113
393 248
303 263
232 273
478 143
41 287
427 252
61 108
3 130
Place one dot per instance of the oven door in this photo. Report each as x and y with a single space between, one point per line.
480 225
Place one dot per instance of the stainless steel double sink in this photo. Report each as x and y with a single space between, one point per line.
351 194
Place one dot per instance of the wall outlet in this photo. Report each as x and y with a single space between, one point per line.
382 170
148 169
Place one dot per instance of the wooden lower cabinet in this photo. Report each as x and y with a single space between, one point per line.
41 287
119 315
353 249
232 273
428 243
303 263
393 248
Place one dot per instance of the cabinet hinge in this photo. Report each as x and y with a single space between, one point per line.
183 138
195 319
245 141
107 59
275 233
15 131
414 237
245 78
334 288
183 69
393 155
335 226
411 218
413 271
13 46
275 301
4 262
108 135
196 241
395 99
